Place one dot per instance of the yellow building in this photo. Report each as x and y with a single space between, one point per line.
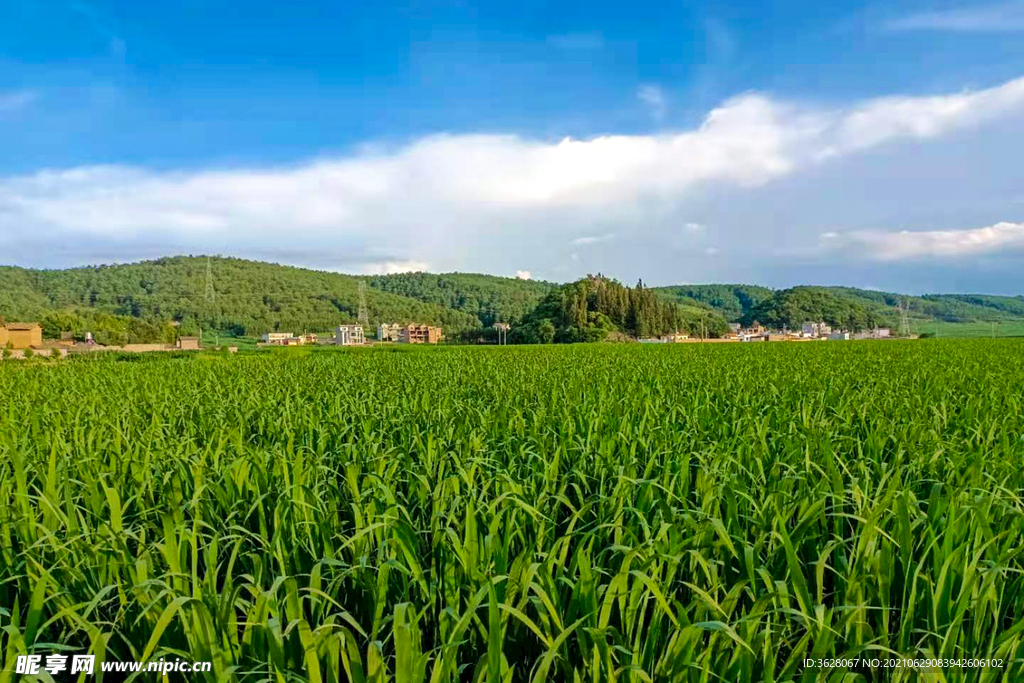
21 335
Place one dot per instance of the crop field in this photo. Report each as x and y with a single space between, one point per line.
581 513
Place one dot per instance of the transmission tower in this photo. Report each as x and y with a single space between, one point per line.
364 317
904 307
211 295
210 298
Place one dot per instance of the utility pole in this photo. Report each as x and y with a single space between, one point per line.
502 329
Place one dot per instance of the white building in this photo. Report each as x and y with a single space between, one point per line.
386 332
278 337
349 335
819 329
877 333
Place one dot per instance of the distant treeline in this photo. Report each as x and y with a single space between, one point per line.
153 301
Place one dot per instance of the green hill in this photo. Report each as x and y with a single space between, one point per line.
793 307
156 300
953 313
732 301
490 298
250 297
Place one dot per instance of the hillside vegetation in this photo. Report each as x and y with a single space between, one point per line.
250 297
596 307
791 308
732 301
157 300
490 298
744 303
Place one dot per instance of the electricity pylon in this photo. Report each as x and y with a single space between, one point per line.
904 330
210 299
364 316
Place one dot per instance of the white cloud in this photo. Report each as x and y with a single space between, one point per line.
1006 16
392 267
712 251
654 98
17 99
908 245
593 239
694 227
445 198
881 120
523 275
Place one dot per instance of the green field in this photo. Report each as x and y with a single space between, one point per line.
1004 328
575 513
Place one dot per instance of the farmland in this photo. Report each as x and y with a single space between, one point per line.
577 513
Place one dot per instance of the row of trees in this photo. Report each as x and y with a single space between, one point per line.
109 329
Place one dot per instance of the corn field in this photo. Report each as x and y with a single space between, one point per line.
580 513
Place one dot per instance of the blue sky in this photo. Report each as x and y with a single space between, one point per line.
873 145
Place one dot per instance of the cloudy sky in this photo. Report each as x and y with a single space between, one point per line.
877 145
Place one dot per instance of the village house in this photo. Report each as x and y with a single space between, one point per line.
349 335
819 329
283 339
21 335
420 334
277 337
391 333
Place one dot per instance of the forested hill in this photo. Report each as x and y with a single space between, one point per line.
250 297
732 301
156 300
490 298
746 302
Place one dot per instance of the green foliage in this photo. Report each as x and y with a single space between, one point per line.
621 513
732 301
735 302
593 308
491 299
251 297
793 307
